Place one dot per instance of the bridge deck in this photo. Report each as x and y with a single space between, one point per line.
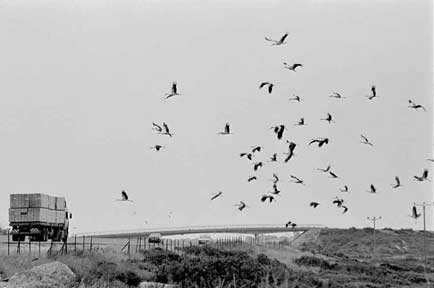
238 229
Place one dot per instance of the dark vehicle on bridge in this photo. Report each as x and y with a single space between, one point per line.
154 238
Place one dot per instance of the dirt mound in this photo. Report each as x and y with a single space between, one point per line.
51 275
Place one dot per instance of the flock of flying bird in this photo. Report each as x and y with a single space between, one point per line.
279 130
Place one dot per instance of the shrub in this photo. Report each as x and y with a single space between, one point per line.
314 262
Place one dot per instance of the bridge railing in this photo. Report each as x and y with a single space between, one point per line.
196 228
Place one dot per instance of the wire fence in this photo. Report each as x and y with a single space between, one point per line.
132 247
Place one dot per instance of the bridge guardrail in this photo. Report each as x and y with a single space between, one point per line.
193 228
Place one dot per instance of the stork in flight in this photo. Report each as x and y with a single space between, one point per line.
269 197
250 179
241 206
325 170
273 158
157 127
300 122
397 184
227 130
279 131
275 178
216 195
296 180
374 93
329 118
276 190
156 147
365 140
256 149
345 189
372 189
345 209
415 106
337 95
333 175
124 196
338 202
287 224
314 204
166 130
173 92
320 141
248 155
291 148
292 67
423 177
257 165
269 84
414 213
281 41
296 98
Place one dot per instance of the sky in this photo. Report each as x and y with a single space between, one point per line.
82 81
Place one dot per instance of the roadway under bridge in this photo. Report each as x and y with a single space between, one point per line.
235 229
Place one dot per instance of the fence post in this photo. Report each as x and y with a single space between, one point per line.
75 243
83 243
129 244
91 242
19 244
39 248
8 241
30 247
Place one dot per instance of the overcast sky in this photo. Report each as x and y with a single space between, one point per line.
82 81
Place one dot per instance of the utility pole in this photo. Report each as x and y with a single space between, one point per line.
424 205
374 219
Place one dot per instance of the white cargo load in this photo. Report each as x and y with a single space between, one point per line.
37 208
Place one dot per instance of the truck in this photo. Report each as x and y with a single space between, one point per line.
154 238
39 217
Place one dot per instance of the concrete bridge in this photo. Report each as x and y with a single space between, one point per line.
253 229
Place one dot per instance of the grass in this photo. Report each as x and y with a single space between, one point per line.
326 258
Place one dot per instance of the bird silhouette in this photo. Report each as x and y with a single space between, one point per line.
333 175
227 130
216 195
296 98
276 190
423 177
157 127
372 189
300 122
345 209
281 41
337 95
287 224
320 141
241 206
296 180
156 147
314 204
415 106
275 178
273 158
292 67
166 130
257 165
329 118
173 92
325 170
252 178
124 196
279 131
339 202
345 189
374 93
414 213
269 84
365 140
256 149
397 184
267 197
248 155
293 225
291 148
